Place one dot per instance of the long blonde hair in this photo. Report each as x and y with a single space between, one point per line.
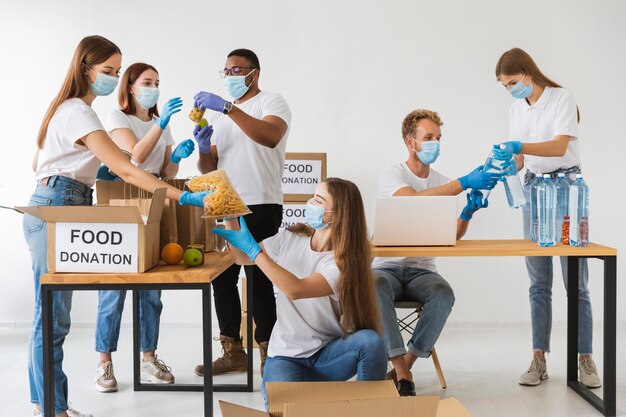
517 61
92 50
357 290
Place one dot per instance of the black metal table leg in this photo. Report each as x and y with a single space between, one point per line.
48 351
250 341
607 404
136 343
207 350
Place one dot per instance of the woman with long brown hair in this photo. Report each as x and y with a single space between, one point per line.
543 135
135 127
71 145
327 320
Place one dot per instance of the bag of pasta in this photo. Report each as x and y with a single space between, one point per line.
224 201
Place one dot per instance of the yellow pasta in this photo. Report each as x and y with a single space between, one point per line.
224 201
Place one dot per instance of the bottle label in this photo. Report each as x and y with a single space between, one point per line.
573 214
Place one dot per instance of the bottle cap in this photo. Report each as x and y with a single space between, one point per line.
546 175
579 175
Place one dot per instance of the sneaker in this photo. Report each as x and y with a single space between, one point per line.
588 373
537 372
73 413
156 371
105 379
406 388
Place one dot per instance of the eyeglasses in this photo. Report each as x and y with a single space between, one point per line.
233 71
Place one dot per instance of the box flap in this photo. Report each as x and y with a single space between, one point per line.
281 393
234 410
375 407
156 207
84 214
451 407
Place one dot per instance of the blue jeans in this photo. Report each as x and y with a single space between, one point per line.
110 307
403 283
361 353
540 292
60 191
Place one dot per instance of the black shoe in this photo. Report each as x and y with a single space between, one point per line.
406 388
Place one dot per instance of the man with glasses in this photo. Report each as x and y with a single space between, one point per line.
416 279
248 141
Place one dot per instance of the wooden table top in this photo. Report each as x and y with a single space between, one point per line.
513 247
214 264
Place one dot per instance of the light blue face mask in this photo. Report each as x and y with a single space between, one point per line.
104 84
314 216
236 85
147 97
429 153
521 90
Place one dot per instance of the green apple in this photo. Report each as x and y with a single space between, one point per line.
203 123
192 257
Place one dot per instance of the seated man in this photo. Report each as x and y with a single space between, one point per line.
416 279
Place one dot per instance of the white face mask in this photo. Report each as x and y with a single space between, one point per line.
147 97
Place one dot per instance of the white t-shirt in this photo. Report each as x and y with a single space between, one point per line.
303 326
553 114
61 155
391 180
255 170
154 163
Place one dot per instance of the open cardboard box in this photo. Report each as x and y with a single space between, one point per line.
102 239
345 399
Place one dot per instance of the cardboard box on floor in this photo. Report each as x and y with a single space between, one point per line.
104 239
345 399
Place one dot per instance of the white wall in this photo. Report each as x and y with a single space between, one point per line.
351 71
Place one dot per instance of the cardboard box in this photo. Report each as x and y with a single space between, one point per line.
104 239
292 213
303 172
345 399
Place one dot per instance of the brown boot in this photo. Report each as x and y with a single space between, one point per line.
233 359
263 354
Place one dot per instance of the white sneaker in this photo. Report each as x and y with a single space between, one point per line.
156 371
105 378
537 372
588 373
70 412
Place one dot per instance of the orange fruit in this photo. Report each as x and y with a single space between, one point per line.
172 253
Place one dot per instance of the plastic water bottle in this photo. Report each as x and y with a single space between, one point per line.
562 202
513 187
534 224
579 212
546 212
512 183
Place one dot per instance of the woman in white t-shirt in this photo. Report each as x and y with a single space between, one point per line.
71 145
327 321
543 136
134 128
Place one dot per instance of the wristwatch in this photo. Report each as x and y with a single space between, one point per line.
228 106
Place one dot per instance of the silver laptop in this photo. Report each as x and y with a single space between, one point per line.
415 221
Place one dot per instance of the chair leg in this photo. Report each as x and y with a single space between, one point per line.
442 379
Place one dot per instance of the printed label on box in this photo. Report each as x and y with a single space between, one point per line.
301 176
96 247
292 214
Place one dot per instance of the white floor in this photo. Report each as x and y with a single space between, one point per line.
481 365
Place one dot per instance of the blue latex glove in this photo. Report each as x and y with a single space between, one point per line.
182 150
193 199
204 100
479 180
174 105
105 175
203 137
242 239
513 147
474 203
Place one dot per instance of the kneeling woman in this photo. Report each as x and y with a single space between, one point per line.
327 323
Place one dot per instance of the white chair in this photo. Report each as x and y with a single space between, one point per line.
407 324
